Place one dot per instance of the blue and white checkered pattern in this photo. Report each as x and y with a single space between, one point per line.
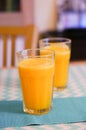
10 90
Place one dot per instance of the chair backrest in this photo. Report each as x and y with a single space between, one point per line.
28 33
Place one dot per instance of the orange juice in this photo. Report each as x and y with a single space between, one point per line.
36 76
62 57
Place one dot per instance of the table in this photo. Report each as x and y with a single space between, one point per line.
10 90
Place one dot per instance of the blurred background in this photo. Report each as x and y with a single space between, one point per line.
66 18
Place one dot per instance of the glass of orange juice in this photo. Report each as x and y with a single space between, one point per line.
36 72
62 48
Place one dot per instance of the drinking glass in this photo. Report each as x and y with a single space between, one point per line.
36 72
62 48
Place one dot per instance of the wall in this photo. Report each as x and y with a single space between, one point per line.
27 11
7 19
40 12
19 18
45 14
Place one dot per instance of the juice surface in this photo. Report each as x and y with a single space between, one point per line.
62 57
36 76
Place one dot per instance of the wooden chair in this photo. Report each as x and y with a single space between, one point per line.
29 33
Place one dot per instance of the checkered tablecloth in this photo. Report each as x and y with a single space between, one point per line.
10 90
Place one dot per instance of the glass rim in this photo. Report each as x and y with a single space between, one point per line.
22 52
66 40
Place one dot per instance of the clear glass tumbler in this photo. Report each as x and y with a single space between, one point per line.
62 48
36 72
